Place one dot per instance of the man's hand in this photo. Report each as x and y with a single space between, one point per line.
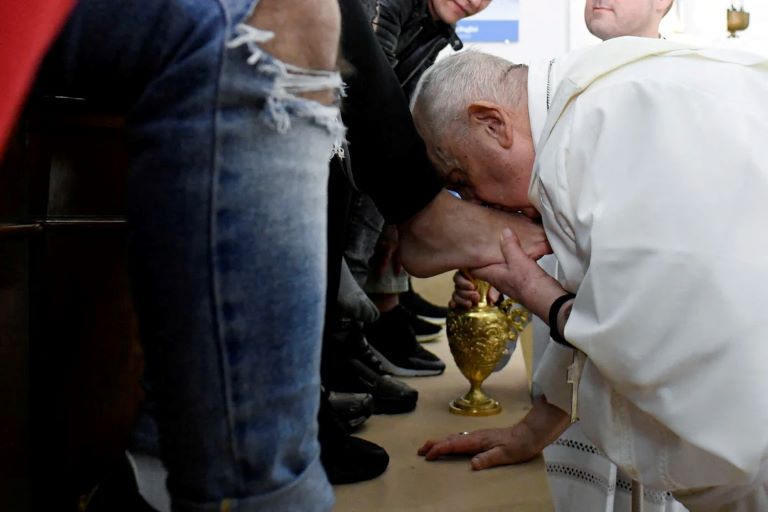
500 446
465 294
520 277
490 447
450 233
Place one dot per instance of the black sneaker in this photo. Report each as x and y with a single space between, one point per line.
351 408
424 331
353 460
355 368
421 307
390 395
393 341
356 346
346 459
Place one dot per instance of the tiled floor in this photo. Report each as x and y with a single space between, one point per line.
411 484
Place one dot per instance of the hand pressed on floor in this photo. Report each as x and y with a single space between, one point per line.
501 446
490 447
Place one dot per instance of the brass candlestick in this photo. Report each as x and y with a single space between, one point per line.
738 19
478 338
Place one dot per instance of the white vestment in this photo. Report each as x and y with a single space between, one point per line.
581 478
652 181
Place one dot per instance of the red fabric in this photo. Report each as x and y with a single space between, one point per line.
27 27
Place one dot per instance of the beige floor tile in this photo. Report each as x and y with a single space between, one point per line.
412 484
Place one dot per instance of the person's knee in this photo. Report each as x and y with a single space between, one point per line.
306 34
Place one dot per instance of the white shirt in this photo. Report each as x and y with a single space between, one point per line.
652 180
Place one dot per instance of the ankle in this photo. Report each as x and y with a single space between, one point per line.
385 301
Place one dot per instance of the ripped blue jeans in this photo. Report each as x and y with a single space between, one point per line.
227 206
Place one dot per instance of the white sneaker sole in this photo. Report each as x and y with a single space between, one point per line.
423 338
434 320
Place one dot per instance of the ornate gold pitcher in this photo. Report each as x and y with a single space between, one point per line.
478 338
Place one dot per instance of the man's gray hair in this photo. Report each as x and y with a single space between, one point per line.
447 88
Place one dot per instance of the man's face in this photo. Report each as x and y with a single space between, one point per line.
451 11
483 172
607 19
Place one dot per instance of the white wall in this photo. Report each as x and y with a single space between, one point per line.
544 30
580 36
705 21
552 27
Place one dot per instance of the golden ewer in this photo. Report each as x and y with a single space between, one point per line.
478 339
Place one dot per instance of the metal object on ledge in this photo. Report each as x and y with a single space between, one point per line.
738 20
478 338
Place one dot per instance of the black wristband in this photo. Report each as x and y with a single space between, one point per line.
554 309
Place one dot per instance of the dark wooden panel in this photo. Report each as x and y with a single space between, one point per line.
85 357
70 358
14 186
14 373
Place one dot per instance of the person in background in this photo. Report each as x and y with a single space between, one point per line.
607 19
411 34
231 114
387 161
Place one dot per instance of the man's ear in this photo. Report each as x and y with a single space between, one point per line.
492 120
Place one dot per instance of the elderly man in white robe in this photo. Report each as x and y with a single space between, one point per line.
649 175
581 478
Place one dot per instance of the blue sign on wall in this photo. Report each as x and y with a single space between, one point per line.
499 22
485 31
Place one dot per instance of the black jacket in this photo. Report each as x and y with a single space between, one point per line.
410 38
389 160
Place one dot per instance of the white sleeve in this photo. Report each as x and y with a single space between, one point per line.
659 215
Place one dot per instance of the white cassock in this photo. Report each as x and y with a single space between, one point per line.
581 478
651 175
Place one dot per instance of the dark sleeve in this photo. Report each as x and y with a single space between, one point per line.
388 24
389 159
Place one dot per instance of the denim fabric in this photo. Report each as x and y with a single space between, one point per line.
364 227
227 205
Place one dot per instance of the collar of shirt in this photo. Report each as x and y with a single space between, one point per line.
539 81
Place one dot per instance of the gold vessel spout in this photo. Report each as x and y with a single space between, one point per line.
478 338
